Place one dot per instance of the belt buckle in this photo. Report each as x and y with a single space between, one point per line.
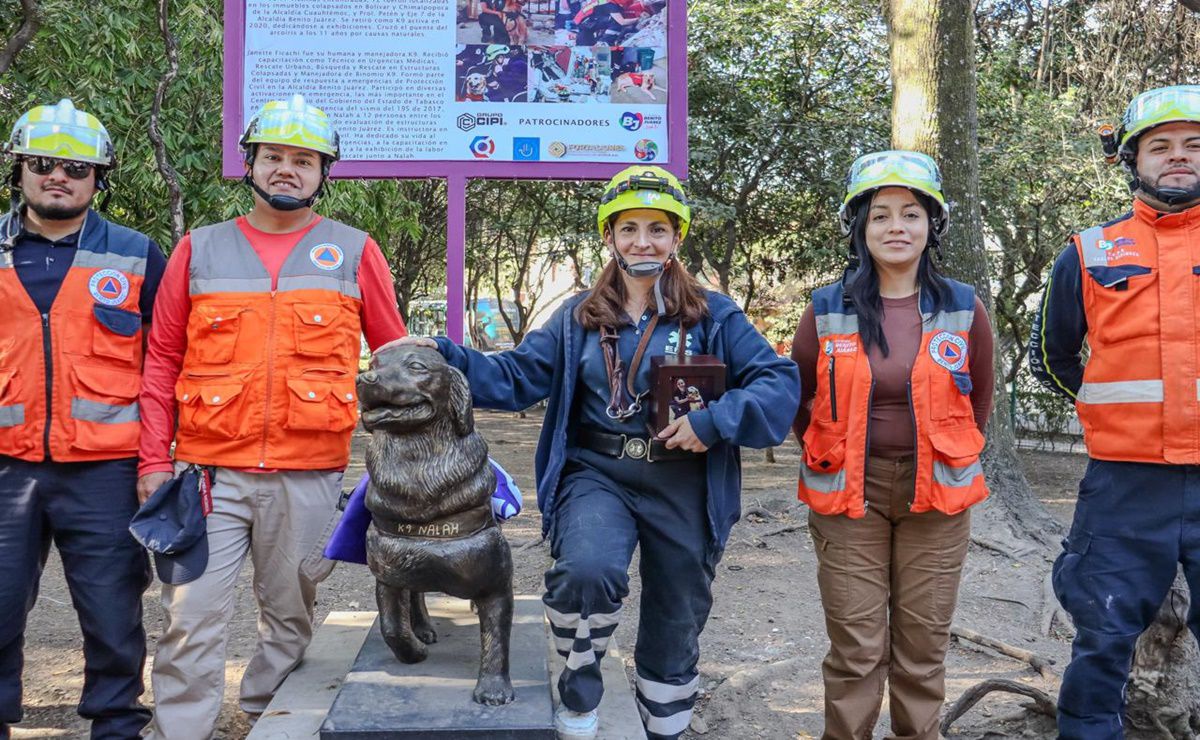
634 447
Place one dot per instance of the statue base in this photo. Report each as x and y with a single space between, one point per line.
382 698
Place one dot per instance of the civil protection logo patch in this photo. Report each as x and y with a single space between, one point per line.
109 287
948 350
327 256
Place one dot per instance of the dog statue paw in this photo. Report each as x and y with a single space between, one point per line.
430 502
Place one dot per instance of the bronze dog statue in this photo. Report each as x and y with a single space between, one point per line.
432 527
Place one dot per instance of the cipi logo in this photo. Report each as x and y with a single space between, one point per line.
482 147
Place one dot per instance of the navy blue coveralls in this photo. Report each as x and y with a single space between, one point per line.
84 509
596 508
1134 522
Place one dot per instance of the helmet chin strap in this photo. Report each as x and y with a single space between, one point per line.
646 269
1169 196
284 202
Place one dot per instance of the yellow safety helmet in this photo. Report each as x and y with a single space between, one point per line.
293 122
644 186
1156 107
63 132
895 168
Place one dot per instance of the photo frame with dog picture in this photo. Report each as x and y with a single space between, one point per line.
683 385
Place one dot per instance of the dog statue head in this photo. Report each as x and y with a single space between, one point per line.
408 387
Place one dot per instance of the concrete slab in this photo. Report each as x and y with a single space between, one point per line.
384 698
619 718
300 705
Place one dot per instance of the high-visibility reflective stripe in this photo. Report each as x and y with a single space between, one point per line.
565 645
947 475
575 661
319 282
1198 389
672 725
952 321
822 482
836 323
103 413
11 416
204 286
1093 255
1122 391
664 693
132 265
571 621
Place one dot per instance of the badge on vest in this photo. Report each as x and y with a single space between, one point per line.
840 347
948 350
109 287
327 256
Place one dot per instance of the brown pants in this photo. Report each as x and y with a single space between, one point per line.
889 583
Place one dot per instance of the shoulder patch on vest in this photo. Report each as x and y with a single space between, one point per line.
109 287
948 350
327 256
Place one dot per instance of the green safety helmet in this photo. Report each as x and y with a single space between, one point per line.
895 168
63 132
495 50
643 186
295 123
1156 107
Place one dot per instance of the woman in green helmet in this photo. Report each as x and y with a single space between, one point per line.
896 365
608 479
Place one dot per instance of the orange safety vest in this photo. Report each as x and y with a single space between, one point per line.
85 355
949 477
1141 297
268 377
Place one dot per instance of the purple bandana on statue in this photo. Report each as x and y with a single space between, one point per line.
348 542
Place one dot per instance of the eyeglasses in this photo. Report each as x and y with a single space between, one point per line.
645 182
73 169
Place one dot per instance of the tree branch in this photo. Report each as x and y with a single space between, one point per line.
169 175
32 18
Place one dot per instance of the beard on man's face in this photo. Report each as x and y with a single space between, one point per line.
56 211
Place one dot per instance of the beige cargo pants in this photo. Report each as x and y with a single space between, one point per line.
282 521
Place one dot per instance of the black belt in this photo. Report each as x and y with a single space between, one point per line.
624 445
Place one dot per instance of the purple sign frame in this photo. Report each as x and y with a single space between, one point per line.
457 173
677 106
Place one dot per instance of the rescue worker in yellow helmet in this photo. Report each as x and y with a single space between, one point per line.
256 359
77 292
896 365
1128 288
609 478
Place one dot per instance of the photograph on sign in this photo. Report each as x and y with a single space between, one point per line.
468 86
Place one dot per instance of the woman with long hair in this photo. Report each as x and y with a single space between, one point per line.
608 480
896 365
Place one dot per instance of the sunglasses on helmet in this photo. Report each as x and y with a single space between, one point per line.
909 165
1152 104
645 182
45 165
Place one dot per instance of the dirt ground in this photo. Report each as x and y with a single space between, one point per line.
766 621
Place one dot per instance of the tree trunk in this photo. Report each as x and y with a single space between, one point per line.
1164 686
934 111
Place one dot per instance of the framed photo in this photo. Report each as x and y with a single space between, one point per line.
681 387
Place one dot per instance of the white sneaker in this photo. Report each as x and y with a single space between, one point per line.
575 725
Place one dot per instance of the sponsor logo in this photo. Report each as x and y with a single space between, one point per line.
482 147
327 256
109 287
646 150
593 122
468 121
526 148
632 121
648 197
1105 244
587 151
948 350
558 149
1123 241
